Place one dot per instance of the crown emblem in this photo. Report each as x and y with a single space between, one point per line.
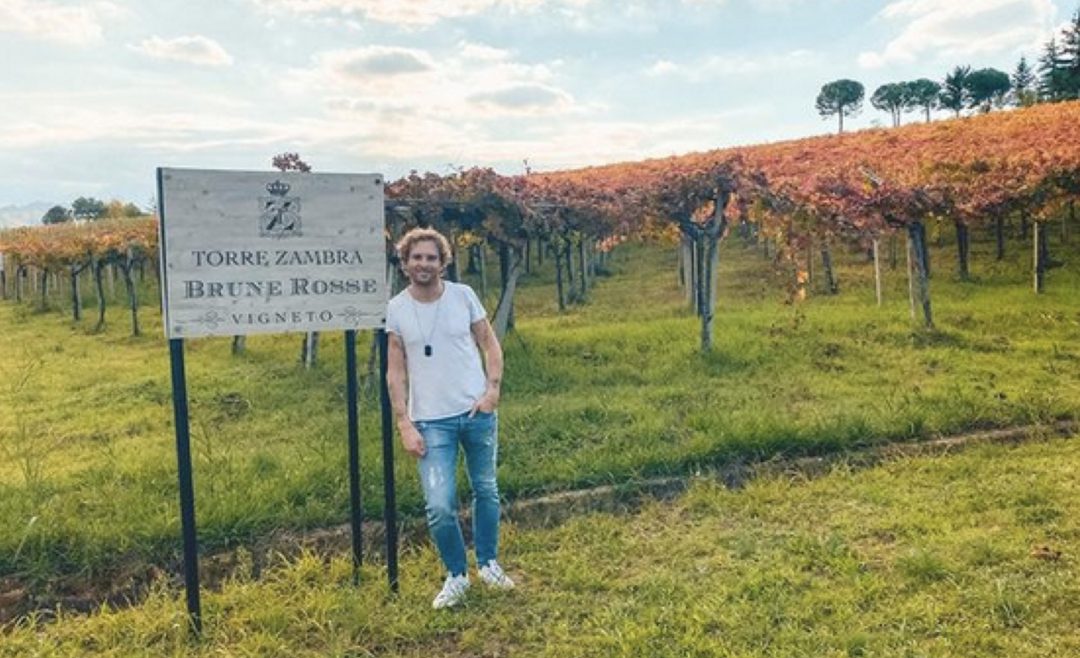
279 213
277 188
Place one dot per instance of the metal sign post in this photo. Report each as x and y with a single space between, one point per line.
187 487
355 508
390 505
259 252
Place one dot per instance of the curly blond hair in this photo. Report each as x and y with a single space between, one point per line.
405 244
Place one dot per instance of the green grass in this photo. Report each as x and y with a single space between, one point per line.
606 392
917 557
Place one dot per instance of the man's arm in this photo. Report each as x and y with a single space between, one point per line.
493 362
395 382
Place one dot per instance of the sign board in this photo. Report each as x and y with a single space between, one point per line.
269 252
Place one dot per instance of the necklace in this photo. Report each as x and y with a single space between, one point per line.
435 322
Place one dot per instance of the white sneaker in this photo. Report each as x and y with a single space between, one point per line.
453 592
493 576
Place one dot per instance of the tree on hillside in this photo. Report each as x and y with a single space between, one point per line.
987 88
1070 58
56 215
117 209
891 98
840 97
1023 85
954 91
922 94
289 162
88 208
1052 73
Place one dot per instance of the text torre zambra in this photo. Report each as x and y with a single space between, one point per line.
275 257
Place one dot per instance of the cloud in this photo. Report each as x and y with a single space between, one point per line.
579 143
471 82
196 49
661 67
50 21
734 65
959 29
481 52
526 98
377 61
413 13
64 118
760 5
463 99
389 134
393 138
775 5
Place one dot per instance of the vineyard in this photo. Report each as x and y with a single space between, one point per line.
853 189
37 258
603 278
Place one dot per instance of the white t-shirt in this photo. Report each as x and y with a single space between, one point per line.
448 381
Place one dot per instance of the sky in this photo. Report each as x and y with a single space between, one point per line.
96 94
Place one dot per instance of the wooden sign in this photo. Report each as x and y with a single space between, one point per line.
256 252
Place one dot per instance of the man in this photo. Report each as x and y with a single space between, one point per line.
437 330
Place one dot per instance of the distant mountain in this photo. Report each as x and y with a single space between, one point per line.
23 215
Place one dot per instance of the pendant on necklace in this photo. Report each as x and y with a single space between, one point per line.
427 350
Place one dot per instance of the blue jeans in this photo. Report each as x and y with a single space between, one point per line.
479 436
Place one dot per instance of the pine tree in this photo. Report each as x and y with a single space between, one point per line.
922 94
1051 73
840 97
1070 58
987 88
892 98
954 93
1023 85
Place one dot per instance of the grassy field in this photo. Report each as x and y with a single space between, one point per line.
607 392
970 554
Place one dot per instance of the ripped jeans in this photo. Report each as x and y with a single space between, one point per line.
479 436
